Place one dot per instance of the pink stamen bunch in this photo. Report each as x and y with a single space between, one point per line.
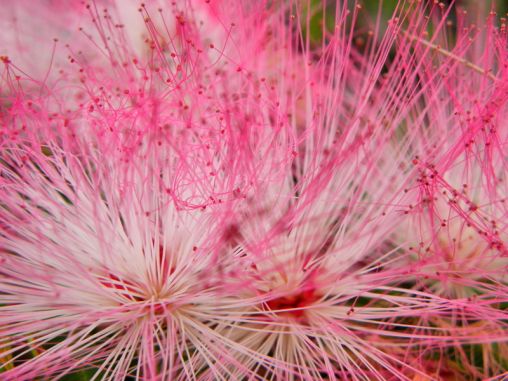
223 190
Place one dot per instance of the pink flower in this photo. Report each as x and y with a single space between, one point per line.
210 193
457 228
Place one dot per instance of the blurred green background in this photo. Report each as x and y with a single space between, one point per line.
476 10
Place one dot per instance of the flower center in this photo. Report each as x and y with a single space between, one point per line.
293 305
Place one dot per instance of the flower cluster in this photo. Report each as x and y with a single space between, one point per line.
253 190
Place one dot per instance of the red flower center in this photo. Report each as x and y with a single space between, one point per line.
293 305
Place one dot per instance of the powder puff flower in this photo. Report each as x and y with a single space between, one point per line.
323 295
101 262
457 230
111 179
223 200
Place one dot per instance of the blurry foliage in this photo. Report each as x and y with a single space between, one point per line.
322 13
84 375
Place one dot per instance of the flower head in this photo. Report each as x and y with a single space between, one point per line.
221 192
